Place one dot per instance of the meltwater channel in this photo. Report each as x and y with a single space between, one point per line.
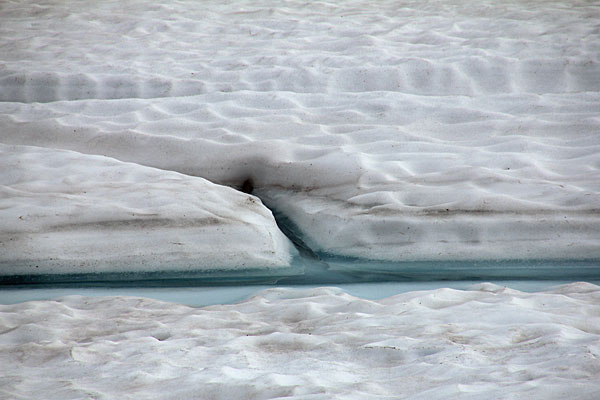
361 278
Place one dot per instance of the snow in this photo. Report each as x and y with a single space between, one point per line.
64 212
321 343
413 131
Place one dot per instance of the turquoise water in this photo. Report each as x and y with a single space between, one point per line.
205 296
362 278
325 269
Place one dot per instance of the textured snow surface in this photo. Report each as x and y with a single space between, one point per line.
65 212
489 342
416 130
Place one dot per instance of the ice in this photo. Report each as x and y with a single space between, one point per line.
320 343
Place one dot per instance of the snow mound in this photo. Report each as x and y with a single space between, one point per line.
66 212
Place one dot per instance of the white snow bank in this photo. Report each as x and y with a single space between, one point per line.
66 212
489 342
426 131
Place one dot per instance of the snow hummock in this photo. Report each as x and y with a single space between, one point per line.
488 342
397 132
67 212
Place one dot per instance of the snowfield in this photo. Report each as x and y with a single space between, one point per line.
162 137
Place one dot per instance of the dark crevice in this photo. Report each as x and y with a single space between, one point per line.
285 224
293 233
248 186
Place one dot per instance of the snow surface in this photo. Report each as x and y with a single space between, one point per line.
420 130
488 342
65 212
387 130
